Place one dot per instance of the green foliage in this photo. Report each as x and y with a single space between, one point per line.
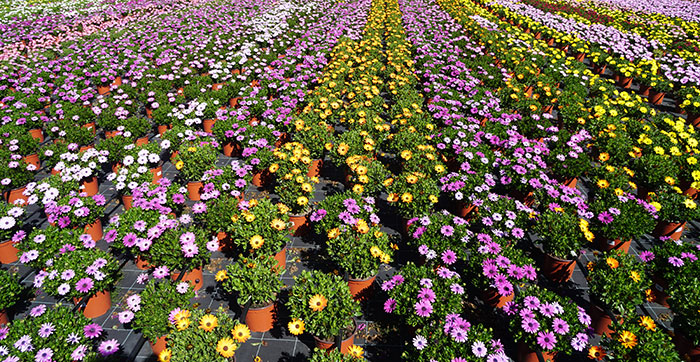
10 289
255 278
158 299
619 281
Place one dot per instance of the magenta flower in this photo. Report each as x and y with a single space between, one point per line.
46 330
92 330
646 256
560 326
108 347
84 285
389 305
38 310
530 325
605 217
546 340
423 308
161 272
449 257
676 261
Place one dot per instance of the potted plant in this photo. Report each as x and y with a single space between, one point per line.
51 188
341 209
193 160
438 237
568 157
217 336
10 293
321 355
541 320
15 175
232 180
637 338
685 293
313 137
423 294
295 189
560 242
18 141
618 285
365 175
619 219
151 310
454 338
82 273
82 167
324 305
78 212
413 193
184 249
229 133
56 333
11 220
41 246
261 228
674 209
256 282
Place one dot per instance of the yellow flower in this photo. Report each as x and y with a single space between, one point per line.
296 326
179 165
385 258
302 200
226 347
165 355
647 322
208 322
183 314
358 189
628 339
411 179
318 302
273 167
603 157
612 262
249 217
277 224
635 276
406 154
182 324
589 235
407 197
333 233
221 275
361 170
362 227
433 199
690 204
343 149
375 251
669 180
618 191
307 187
192 149
603 184
283 209
356 351
390 181
256 241
241 333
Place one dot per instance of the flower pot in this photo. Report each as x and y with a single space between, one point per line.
86 147
8 252
117 81
94 230
261 178
644 90
570 182
625 82
315 168
157 174
656 97
194 277
360 288
162 128
344 345
97 305
580 56
142 263
557 270
102 89
90 126
491 297
159 346
300 225
207 124
127 200
673 230
694 119
261 319
4 318
281 257
194 190
233 102
231 149
13 196
526 354
600 69
607 245
110 134
659 291
37 133
89 185
601 321
141 141
463 209
686 347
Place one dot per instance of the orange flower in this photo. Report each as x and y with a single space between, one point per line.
612 262
596 352
318 302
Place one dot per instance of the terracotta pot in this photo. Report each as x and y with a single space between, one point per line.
281 257
694 119
95 230
173 156
570 182
686 347
110 134
233 102
673 230
462 209
126 201
261 178
315 168
491 297
526 354
89 185
344 345
117 81
644 90
142 263
162 128
231 149
55 171
261 319
607 245
360 288
149 113
659 291
157 174
87 147
194 277
300 225
207 124
97 305
557 270
102 89
656 97
14 195
159 346
8 252
217 86
580 56
116 166
625 82
601 321
194 190
600 69
141 141
180 91
4 318
90 126
37 133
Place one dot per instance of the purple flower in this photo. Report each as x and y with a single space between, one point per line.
125 316
38 310
546 340
447 230
449 257
647 256
44 355
479 349
530 325
676 261
84 285
560 326
161 272
46 330
426 294
423 308
457 289
420 342
24 344
108 347
459 335
605 217
92 330
389 305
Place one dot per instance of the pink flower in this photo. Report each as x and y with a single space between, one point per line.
389 305
92 330
125 316
546 340
84 285
423 308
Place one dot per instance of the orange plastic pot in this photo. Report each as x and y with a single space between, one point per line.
281 257
97 305
659 291
33 159
194 190
526 354
360 288
601 321
261 178
8 252
142 263
111 134
686 347
162 128
233 102
194 277
694 119
4 318
207 124
14 195
231 149
261 319
94 230
117 81
344 345
300 225
141 141
89 185
557 270
157 174
625 82
673 230
159 346
102 89
491 297
126 201
87 147
656 97
37 133
315 168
